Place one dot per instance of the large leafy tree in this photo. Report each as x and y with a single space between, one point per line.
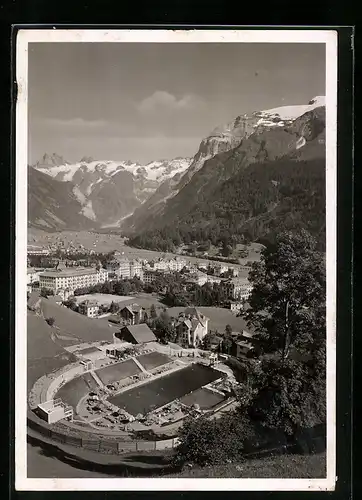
287 305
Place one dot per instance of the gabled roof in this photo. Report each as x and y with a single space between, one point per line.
129 309
186 322
193 312
141 333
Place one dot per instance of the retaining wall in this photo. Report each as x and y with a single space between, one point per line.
101 445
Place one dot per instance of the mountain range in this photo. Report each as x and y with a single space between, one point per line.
106 191
258 173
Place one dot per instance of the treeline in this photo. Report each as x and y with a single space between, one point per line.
254 205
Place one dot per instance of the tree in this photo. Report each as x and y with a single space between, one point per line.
114 307
284 396
206 442
164 328
50 321
287 304
153 312
228 340
287 310
45 292
226 250
71 304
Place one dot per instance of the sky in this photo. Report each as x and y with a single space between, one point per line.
144 102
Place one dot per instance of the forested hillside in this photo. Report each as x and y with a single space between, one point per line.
255 204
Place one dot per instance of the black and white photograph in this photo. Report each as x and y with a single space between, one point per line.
175 259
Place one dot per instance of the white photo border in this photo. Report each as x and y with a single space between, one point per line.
26 36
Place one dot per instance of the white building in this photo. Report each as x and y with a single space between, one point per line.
54 410
89 308
34 250
120 266
238 288
198 277
192 327
136 269
71 278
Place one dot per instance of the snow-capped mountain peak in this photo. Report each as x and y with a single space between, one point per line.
108 190
284 115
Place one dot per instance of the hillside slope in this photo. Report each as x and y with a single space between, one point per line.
263 136
108 191
52 205
274 180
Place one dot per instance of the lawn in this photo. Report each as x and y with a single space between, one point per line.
280 466
163 390
218 316
118 371
104 298
44 355
153 360
75 325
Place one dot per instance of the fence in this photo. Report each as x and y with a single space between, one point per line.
100 445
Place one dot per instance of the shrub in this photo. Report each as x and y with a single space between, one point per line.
208 442
50 321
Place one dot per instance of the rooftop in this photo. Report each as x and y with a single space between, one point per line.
68 272
141 333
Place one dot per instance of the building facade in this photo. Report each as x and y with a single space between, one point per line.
238 289
71 279
89 308
191 328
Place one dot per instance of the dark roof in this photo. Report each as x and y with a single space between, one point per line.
129 309
34 297
141 333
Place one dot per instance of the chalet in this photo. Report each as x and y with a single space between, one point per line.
244 344
136 334
132 314
89 308
191 328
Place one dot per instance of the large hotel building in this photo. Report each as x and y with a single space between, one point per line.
70 279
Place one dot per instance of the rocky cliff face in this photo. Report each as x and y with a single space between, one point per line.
52 204
260 137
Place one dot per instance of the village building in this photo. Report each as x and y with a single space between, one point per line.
89 308
136 269
220 269
71 278
36 250
120 267
135 334
149 276
235 306
191 328
197 277
238 288
132 314
233 271
244 344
